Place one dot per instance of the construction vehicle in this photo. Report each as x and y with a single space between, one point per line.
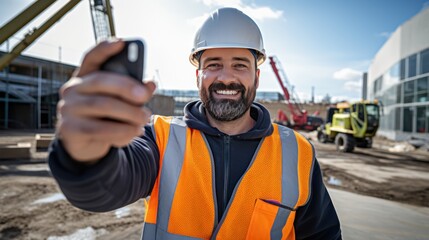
350 125
101 14
300 119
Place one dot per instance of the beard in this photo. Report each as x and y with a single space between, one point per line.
227 109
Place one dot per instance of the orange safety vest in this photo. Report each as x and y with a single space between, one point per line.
264 202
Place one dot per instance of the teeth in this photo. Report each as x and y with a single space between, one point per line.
226 92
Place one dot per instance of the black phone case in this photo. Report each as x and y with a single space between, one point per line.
129 61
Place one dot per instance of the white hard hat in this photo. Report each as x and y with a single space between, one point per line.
228 28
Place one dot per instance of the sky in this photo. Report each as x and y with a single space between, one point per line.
325 44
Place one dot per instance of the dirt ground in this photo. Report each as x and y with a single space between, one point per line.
389 170
32 206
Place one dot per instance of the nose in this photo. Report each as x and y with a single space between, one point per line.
227 75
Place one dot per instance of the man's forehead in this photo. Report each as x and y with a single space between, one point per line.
227 53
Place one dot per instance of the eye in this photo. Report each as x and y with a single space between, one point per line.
240 66
213 66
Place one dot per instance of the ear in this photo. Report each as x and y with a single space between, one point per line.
197 75
258 71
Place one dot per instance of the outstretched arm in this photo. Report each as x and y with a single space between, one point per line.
98 158
122 177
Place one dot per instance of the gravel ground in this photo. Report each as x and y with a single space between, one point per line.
32 206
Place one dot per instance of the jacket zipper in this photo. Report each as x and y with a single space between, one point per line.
226 157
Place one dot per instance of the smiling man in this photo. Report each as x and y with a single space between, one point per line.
227 80
222 171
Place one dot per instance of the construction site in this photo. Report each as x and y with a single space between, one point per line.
373 153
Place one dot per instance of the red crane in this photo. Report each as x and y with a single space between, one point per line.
300 118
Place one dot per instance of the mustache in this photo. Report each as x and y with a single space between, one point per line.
221 86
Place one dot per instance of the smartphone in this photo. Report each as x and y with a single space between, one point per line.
129 61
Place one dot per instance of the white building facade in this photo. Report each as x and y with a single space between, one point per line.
399 77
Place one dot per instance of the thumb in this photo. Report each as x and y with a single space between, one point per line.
98 55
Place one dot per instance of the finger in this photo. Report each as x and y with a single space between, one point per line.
116 85
98 55
97 130
98 106
150 85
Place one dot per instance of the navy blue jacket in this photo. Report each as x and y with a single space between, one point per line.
125 175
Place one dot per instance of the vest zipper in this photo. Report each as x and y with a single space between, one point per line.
226 157
225 212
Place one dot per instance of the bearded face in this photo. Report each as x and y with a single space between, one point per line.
227 109
227 79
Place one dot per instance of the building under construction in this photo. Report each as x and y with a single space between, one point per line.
29 92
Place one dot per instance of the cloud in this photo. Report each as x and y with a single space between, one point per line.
211 3
255 12
347 74
354 86
262 13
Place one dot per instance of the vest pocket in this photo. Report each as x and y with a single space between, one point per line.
269 220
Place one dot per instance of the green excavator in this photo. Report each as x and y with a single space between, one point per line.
349 125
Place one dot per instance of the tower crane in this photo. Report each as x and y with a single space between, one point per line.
102 20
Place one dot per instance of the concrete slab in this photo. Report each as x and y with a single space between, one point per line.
15 151
44 140
364 217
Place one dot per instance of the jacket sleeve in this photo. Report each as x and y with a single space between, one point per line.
318 218
122 177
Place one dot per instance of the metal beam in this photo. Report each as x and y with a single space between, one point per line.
110 16
23 18
37 32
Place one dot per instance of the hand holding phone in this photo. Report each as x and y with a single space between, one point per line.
97 110
129 61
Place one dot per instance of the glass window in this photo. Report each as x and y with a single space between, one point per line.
402 69
412 65
391 120
409 92
408 120
421 124
374 87
389 96
397 118
391 77
380 83
422 89
394 71
399 94
422 84
361 114
371 109
377 85
424 62
408 98
427 119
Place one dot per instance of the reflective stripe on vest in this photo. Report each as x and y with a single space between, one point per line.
183 202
